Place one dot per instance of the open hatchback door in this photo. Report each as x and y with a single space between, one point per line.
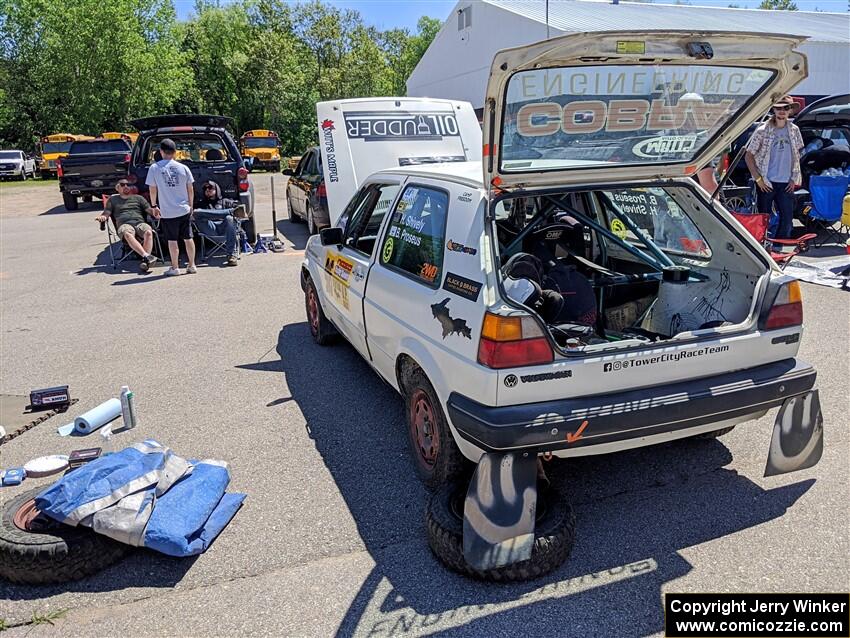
593 107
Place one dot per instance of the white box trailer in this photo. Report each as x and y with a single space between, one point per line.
387 132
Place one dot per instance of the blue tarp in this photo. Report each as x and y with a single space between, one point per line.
146 495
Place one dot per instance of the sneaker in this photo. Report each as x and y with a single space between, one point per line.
173 272
191 270
144 266
151 260
232 261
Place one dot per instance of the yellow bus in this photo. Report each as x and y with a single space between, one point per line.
52 147
262 145
130 138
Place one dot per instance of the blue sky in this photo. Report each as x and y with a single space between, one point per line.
388 14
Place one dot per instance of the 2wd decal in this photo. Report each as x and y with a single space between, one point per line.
462 287
449 324
455 247
428 272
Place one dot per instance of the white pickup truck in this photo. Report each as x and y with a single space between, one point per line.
570 290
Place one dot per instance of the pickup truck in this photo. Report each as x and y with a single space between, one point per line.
92 168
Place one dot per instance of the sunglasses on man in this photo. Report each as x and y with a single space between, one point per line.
123 185
781 108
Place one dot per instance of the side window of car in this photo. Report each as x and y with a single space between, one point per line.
299 170
364 222
416 234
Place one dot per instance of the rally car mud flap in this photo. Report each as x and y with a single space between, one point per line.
797 441
499 510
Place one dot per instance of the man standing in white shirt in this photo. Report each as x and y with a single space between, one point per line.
172 195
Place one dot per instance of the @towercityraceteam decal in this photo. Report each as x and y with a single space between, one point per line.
668 357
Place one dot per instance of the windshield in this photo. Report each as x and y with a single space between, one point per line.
260 142
619 114
10 155
56 147
654 213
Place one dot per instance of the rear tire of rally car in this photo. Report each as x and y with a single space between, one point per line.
715 434
554 535
35 550
70 201
437 458
323 331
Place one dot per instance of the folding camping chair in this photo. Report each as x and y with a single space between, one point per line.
219 242
757 225
827 195
117 243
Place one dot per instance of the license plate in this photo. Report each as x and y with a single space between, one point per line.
96 183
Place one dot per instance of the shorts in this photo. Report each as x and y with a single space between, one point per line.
177 227
140 229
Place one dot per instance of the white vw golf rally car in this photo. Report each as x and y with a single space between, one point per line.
562 286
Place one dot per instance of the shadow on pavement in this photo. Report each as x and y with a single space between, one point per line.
636 510
84 207
141 568
293 232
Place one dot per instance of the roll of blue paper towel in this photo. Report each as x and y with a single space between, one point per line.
98 417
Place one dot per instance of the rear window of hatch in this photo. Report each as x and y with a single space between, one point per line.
192 148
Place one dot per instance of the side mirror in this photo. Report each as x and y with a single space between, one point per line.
288 171
331 236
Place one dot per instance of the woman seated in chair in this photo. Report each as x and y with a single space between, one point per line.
214 215
128 216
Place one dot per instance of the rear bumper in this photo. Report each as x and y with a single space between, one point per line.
623 416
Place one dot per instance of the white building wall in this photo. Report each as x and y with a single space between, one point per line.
457 64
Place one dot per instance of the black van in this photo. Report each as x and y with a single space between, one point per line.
204 145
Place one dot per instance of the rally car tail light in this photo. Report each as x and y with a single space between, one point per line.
787 308
510 342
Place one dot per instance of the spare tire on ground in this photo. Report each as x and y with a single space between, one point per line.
36 550
554 535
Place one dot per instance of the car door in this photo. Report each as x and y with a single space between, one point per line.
295 186
346 266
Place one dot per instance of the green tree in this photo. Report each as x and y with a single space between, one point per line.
85 66
781 5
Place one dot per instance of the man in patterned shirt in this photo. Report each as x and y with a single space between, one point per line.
773 157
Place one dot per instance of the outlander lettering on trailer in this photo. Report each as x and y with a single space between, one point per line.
567 291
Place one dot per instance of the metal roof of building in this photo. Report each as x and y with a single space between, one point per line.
580 15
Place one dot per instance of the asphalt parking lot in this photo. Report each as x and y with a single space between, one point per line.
331 539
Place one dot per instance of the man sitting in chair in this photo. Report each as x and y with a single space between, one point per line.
214 215
128 215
